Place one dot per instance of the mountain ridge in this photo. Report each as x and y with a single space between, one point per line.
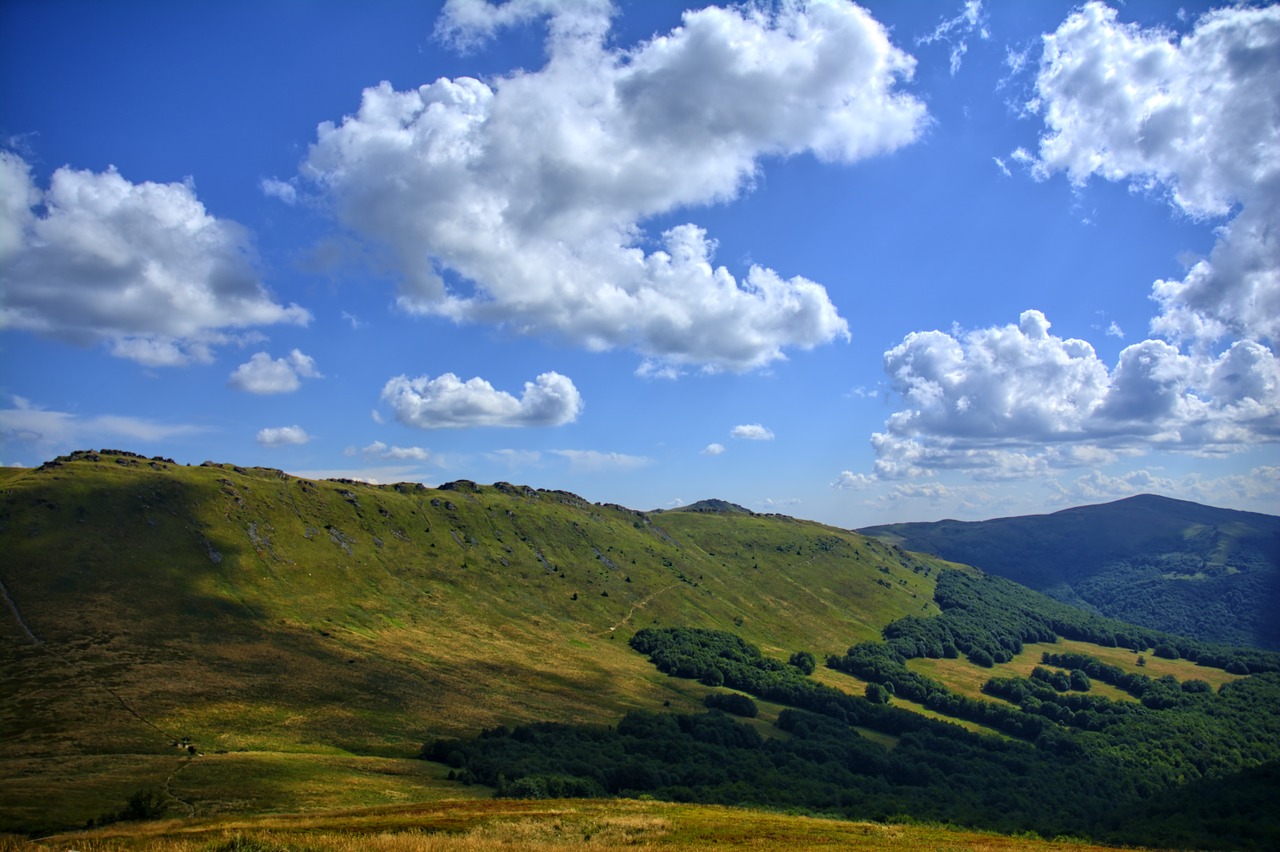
1156 561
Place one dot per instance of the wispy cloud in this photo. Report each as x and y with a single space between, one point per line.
593 461
46 431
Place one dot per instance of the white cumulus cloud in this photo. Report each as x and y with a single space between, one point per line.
1195 118
141 267
528 189
263 375
751 432
449 402
713 449
1016 401
282 436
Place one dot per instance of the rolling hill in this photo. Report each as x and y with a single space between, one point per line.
259 617
1166 564
215 643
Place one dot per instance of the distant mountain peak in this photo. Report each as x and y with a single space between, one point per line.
715 507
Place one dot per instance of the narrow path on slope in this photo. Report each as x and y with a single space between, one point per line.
36 640
17 615
638 606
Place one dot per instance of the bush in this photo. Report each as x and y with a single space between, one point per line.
732 702
804 661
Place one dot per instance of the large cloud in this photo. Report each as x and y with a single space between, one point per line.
1016 401
141 267
518 202
448 402
1198 118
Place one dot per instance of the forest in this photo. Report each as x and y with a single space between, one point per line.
1069 763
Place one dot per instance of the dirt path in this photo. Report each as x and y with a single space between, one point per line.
36 640
17 615
641 605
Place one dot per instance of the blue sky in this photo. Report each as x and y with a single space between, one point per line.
860 264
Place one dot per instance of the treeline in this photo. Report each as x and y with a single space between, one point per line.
717 658
880 663
1157 693
822 766
1104 781
990 619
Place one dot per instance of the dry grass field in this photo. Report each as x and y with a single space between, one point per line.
515 826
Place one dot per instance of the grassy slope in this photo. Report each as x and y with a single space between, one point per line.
1219 557
261 617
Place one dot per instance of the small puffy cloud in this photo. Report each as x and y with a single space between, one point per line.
262 375
1017 401
448 402
593 461
142 267
530 189
751 432
713 449
282 436
378 451
1193 118
280 190
848 480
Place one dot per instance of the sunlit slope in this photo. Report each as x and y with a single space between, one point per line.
244 609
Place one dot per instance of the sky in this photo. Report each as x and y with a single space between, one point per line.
857 264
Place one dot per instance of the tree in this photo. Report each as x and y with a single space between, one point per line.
804 661
877 694
980 657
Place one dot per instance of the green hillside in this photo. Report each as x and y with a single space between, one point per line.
217 645
256 617
1170 565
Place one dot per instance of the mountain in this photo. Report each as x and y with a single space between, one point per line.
215 643
1166 564
252 613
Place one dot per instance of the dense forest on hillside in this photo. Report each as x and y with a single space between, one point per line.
1071 763
1172 565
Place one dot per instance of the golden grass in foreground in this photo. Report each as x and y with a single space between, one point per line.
522 825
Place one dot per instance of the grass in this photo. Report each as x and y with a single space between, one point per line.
246 611
964 677
545 825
